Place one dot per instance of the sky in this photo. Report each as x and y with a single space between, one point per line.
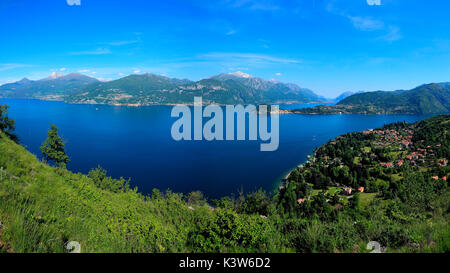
329 46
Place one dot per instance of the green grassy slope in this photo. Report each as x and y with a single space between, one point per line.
43 207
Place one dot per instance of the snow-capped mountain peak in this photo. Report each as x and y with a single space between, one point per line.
241 74
54 75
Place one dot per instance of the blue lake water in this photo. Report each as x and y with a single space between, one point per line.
136 143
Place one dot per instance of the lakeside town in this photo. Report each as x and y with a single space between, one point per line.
379 157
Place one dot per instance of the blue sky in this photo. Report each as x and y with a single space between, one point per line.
330 46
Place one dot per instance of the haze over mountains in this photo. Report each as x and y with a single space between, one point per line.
148 89
56 86
345 95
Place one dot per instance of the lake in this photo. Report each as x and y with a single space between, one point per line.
136 143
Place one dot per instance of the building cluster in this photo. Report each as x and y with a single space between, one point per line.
400 146
402 139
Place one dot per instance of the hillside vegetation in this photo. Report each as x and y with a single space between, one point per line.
43 207
55 87
405 208
148 89
425 99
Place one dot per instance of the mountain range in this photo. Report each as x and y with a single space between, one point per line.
345 95
225 88
425 99
149 89
54 87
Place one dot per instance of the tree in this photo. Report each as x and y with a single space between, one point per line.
101 179
7 125
256 202
196 198
53 147
354 202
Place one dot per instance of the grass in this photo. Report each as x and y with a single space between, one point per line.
332 190
44 207
365 199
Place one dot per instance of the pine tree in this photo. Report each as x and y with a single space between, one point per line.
53 147
7 125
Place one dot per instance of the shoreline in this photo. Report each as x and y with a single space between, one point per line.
280 111
281 180
158 104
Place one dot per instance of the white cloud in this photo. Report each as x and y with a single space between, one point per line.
374 2
392 35
238 68
392 32
55 75
8 66
104 80
278 74
98 51
63 69
231 32
247 57
120 43
366 23
8 80
264 5
378 60
84 71
121 74
73 2
136 71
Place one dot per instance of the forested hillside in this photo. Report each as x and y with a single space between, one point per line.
425 99
351 191
55 87
231 88
149 89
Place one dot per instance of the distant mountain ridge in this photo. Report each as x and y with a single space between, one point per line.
149 89
444 84
55 87
345 95
225 88
425 99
